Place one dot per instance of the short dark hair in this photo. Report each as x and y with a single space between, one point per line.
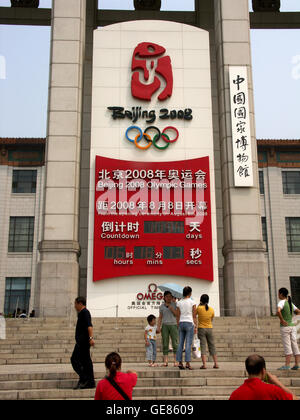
167 293
255 364
81 300
151 318
187 291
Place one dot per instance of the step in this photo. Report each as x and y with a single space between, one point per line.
35 359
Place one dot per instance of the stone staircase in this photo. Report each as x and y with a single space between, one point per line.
35 359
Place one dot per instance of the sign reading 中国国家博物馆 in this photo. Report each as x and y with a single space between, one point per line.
241 131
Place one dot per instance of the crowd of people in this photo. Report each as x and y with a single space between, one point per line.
180 322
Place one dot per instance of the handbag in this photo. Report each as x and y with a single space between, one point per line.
196 348
118 388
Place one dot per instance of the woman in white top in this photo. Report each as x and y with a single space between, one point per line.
186 318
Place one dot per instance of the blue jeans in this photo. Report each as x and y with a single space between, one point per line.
186 335
151 351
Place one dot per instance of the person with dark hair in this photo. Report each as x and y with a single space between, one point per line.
81 358
206 315
116 385
255 387
186 318
23 314
150 340
167 325
285 312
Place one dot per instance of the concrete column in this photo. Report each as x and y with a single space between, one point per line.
91 18
245 270
205 20
58 269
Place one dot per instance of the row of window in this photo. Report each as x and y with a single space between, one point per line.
292 233
290 182
24 182
21 234
17 294
18 289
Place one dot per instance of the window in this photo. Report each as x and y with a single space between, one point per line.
295 290
17 294
261 183
21 230
291 182
24 182
264 231
293 233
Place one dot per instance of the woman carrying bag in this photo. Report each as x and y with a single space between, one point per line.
116 385
167 325
285 312
186 317
206 315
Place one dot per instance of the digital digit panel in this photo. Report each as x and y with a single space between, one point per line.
144 252
173 253
163 227
113 252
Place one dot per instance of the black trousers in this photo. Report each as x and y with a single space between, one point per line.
82 363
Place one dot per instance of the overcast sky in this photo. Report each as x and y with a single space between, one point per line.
24 71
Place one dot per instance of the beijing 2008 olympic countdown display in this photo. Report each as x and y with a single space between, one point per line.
152 216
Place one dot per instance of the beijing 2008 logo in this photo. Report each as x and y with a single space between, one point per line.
150 58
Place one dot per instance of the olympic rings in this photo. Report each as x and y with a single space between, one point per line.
144 135
134 127
167 140
148 138
176 131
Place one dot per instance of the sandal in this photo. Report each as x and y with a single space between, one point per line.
216 367
181 367
188 366
203 368
164 365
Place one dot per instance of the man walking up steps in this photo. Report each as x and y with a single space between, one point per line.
81 358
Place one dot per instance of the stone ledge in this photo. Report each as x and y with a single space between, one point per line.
243 246
59 246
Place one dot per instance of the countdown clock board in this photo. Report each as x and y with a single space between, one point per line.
152 218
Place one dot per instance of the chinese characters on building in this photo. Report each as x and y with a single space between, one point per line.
241 133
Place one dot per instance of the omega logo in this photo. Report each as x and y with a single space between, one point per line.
151 294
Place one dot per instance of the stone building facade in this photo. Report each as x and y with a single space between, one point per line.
279 169
21 207
22 183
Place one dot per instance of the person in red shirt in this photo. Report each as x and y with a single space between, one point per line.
255 389
117 385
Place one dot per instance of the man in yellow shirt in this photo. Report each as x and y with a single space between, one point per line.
205 330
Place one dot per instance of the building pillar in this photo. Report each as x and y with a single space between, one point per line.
91 24
245 270
204 10
58 268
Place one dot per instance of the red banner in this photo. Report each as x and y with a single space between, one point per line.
152 219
